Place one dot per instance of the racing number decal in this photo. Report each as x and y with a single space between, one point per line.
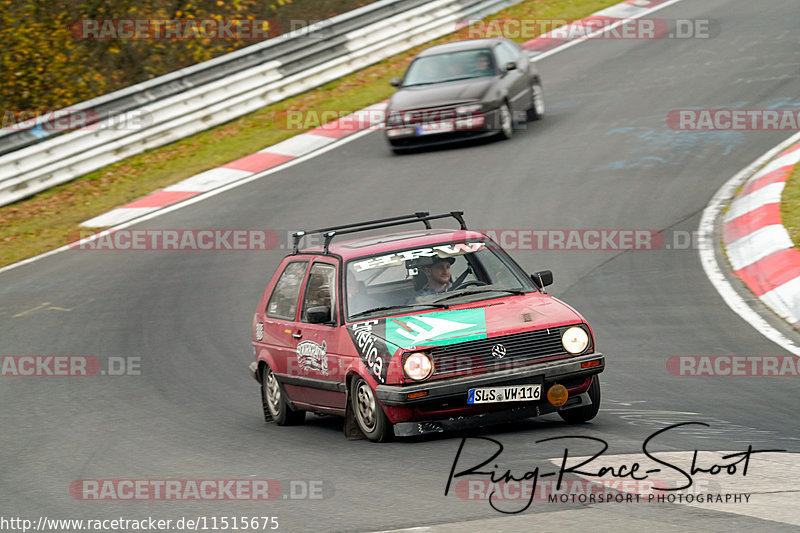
373 350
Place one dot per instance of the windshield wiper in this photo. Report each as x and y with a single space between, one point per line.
480 291
389 307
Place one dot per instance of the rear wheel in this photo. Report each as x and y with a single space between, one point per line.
274 401
579 415
536 111
368 412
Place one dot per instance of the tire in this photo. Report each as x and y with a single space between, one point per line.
506 119
273 399
368 412
536 111
579 415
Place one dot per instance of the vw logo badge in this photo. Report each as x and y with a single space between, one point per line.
498 351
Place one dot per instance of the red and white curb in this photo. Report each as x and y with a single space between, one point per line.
319 137
606 19
759 248
273 156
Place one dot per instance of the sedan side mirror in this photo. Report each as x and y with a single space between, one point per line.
542 279
511 65
395 82
318 315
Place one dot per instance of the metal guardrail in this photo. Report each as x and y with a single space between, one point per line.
135 96
191 100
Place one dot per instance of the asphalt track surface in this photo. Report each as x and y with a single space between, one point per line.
602 158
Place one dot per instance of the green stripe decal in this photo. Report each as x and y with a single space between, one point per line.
437 329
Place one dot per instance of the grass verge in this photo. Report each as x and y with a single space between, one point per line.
48 219
790 206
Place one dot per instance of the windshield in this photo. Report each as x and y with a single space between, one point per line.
449 67
430 277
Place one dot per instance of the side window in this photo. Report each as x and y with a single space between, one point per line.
497 272
505 53
321 289
283 300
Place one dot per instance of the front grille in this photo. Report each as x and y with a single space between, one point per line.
418 116
477 355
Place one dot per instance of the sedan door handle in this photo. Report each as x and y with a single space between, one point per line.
297 335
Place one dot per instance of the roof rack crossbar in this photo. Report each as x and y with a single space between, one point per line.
331 232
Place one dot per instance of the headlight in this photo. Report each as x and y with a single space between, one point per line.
468 109
418 366
575 340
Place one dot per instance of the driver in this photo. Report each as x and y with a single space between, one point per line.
482 65
438 274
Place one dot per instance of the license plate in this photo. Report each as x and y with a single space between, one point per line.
435 127
516 393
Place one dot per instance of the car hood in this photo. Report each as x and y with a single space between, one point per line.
476 320
440 94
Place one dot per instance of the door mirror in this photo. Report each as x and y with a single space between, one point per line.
319 315
395 82
511 65
542 279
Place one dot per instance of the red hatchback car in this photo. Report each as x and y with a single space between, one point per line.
417 332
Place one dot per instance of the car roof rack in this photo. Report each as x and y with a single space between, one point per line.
422 216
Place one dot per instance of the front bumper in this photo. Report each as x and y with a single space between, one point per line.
413 139
459 423
441 390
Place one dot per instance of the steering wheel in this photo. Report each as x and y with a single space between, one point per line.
470 283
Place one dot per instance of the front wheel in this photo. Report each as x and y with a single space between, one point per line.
579 415
506 122
368 412
536 111
274 401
